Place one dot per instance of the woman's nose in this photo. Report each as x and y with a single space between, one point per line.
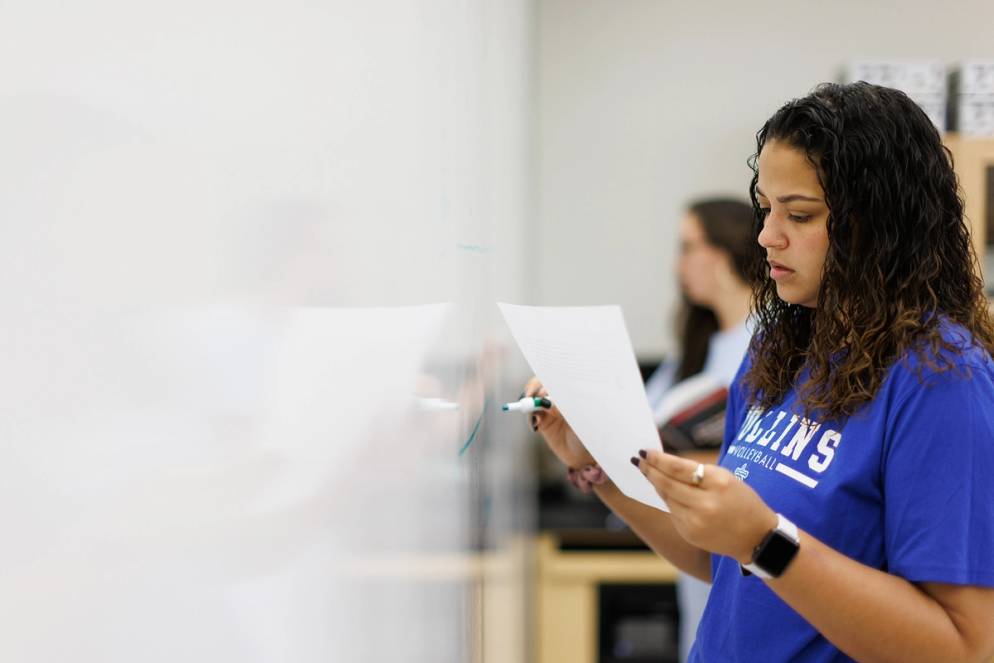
771 236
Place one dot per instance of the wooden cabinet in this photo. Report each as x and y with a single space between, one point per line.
567 594
973 159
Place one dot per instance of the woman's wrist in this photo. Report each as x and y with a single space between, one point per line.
763 525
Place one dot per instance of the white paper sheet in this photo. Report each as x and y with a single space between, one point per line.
584 358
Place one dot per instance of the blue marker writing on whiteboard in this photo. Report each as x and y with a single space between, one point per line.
527 404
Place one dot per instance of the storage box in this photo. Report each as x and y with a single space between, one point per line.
924 81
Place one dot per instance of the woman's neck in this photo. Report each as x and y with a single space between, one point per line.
732 307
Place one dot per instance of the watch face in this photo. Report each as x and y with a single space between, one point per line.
775 553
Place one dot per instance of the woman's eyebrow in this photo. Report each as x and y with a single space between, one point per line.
794 197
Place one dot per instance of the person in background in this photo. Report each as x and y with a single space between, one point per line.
716 244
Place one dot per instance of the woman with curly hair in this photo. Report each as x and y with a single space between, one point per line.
850 515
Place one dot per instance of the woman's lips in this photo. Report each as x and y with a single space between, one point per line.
779 271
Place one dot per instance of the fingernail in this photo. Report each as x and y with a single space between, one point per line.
635 461
643 453
534 419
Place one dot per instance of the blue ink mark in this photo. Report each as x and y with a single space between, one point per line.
476 248
476 429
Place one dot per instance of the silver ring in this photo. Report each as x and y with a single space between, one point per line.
698 476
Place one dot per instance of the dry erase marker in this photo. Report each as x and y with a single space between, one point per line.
527 404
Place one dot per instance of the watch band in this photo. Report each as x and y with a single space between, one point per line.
784 528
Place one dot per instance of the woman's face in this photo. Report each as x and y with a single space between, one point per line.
699 263
795 231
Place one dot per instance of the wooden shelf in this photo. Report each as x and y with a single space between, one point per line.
623 566
567 594
971 159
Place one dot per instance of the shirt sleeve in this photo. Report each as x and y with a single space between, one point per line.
938 480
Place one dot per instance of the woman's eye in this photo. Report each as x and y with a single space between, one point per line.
799 218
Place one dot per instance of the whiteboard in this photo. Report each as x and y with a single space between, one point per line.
252 363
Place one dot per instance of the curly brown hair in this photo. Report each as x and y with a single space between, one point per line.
899 262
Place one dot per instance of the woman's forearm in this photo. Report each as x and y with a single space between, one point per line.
872 615
656 530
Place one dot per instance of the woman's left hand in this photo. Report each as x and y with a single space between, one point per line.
721 514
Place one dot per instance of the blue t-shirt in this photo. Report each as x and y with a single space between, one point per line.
905 485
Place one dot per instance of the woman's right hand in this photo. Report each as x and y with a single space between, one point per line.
558 435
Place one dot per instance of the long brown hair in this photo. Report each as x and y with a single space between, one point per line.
727 225
899 262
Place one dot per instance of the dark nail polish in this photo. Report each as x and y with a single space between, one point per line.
643 453
534 420
635 461
521 396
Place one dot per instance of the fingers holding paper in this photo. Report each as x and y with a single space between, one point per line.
534 387
711 508
551 424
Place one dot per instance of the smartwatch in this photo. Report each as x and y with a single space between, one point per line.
775 552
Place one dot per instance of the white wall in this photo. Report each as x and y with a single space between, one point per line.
645 104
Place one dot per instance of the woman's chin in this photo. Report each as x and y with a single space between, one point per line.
791 296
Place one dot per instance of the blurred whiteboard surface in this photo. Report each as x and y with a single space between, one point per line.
224 228
335 371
